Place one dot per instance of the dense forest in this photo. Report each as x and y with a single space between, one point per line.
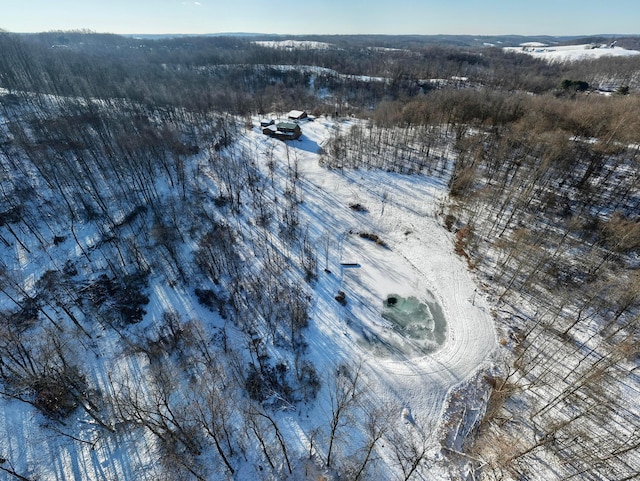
123 168
239 75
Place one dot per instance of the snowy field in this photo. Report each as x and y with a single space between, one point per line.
294 44
571 53
418 261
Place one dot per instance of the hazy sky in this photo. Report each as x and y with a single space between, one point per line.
481 17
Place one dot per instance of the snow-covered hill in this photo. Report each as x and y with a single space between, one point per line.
417 260
383 225
571 53
294 44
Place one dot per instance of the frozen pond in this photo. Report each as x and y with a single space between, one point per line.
411 318
413 327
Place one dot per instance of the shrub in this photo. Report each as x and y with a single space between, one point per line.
309 381
210 300
373 237
574 85
125 295
55 393
358 207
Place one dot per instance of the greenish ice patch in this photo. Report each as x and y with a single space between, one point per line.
415 319
414 327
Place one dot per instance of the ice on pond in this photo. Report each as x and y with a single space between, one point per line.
414 319
413 327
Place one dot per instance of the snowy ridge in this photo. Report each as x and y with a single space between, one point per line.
294 44
571 53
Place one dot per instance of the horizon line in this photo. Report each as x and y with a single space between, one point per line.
90 31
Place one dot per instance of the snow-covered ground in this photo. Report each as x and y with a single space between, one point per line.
418 261
294 44
571 53
414 258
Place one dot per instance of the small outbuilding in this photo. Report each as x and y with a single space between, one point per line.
297 115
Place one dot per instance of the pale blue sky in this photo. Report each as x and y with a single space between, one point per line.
429 17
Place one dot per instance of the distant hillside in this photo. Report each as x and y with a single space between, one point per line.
413 40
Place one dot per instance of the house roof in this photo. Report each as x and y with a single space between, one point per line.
295 114
286 125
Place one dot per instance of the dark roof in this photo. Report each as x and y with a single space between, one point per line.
287 125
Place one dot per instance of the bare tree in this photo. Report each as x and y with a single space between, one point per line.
344 392
409 449
377 422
